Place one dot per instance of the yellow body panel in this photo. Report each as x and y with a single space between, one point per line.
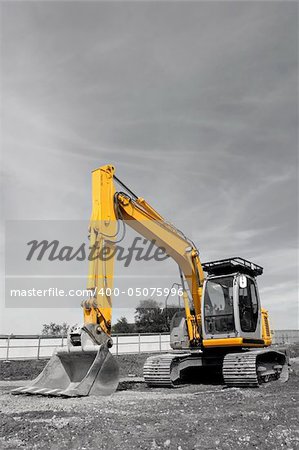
266 331
230 342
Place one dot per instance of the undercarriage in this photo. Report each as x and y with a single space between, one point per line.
243 368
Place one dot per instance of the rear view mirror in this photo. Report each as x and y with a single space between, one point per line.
243 282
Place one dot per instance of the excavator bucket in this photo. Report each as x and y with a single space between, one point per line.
75 373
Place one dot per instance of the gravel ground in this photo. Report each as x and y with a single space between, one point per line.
190 417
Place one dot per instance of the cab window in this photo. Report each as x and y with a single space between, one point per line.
248 307
218 306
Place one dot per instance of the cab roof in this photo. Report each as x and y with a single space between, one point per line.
232 265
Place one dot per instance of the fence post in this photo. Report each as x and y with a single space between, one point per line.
117 345
160 343
7 348
38 347
139 344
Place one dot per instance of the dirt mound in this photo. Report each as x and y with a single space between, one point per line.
21 370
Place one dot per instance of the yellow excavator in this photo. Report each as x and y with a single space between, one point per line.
222 326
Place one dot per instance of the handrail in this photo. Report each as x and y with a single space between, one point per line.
59 336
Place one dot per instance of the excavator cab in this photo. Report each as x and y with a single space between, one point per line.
231 309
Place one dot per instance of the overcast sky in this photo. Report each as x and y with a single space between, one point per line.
195 104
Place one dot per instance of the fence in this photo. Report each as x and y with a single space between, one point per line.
285 336
41 347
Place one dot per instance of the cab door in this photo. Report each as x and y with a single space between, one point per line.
247 308
218 308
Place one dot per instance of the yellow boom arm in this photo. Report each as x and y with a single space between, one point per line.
109 206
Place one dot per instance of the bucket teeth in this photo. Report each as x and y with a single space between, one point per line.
31 390
51 392
18 390
40 391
